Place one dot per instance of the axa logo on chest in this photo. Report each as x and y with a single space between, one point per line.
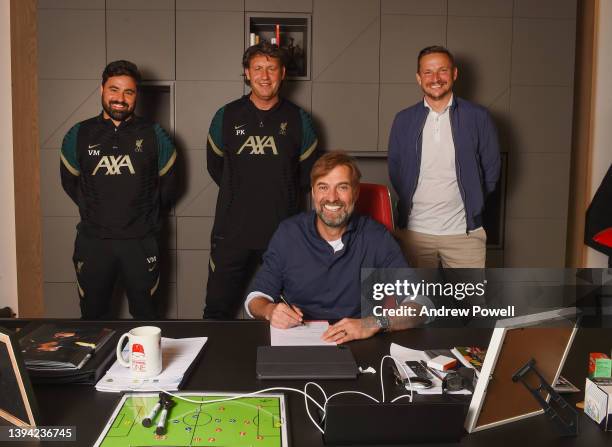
258 145
113 165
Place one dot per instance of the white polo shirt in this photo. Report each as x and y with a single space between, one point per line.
437 206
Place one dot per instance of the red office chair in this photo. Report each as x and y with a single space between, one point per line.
375 201
604 237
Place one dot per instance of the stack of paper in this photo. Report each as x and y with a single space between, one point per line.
177 356
308 334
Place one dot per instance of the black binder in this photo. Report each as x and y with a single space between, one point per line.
89 374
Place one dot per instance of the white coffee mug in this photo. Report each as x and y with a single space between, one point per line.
144 351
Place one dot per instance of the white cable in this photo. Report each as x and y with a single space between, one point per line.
306 396
308 409
405 368
305 393
353 392
318 386
382 385
345 392
254 393
314 422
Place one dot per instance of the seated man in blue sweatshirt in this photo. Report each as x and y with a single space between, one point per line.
314 260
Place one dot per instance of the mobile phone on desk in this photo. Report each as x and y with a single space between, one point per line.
419 370
413 382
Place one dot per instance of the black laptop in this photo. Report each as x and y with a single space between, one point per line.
305 362
393 423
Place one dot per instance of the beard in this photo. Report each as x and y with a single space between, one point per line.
118 115
340 220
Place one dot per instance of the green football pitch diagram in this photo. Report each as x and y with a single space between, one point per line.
244 422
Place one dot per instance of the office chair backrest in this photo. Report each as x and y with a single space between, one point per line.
375 201
604 237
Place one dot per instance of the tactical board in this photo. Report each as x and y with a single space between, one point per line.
258 421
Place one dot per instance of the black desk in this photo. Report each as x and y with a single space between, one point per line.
228 364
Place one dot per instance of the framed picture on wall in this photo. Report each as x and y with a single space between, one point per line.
17 401
291 32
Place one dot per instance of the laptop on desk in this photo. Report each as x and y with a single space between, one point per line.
305 362
393 423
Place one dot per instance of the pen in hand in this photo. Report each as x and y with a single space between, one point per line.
282 298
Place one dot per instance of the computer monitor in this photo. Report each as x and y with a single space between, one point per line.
545 337
17 401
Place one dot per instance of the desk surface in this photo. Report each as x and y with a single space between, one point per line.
228 364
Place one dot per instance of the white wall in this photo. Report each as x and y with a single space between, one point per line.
8 258
602 119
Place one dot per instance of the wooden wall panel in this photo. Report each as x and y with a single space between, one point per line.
579 196
26 159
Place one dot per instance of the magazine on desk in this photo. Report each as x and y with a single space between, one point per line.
471 356
53 348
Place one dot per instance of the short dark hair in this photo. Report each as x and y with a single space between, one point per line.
121 68
263 48
434 49
331 160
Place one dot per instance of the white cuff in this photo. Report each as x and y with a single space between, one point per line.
250 298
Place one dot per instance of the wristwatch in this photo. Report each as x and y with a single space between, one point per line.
382 323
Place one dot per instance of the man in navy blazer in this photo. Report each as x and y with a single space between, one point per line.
443 162
314 262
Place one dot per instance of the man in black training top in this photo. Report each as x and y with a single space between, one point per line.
120 171
260 149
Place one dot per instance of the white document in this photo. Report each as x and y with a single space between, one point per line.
177 355
406 354
308 334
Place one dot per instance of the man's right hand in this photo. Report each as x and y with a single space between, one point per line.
282 316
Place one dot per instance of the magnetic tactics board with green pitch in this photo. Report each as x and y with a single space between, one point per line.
258 421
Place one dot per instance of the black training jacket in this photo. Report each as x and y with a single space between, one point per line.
259 159
120 177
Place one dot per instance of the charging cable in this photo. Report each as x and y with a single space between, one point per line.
304 392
